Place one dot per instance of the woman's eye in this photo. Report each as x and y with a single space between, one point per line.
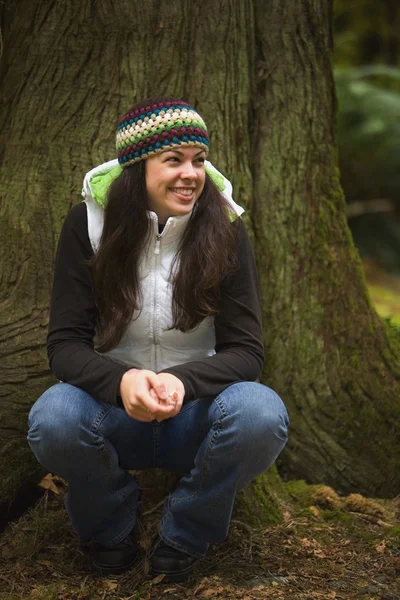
200 160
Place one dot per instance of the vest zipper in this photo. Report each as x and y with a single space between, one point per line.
158 243
157 250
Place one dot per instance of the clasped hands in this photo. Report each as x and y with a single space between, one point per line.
149 396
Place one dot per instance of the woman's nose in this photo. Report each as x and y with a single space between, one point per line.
188 171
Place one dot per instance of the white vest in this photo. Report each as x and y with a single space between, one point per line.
148 343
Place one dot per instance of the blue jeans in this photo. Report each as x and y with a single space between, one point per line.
220 443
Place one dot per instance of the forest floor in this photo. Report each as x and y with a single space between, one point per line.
327 547
384 289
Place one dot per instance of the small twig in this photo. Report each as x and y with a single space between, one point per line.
156 507
377 205
371 519
245 526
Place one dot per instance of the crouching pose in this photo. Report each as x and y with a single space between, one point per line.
155 335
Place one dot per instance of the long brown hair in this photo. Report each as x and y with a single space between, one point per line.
206 256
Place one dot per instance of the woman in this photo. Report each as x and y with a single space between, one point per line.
155 334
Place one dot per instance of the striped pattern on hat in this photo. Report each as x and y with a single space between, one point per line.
156 127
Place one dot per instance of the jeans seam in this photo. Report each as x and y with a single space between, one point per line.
218 427
177 546
166 539
207 452
104 410
126 531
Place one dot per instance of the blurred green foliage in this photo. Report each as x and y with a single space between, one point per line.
368 131
367 32
367 74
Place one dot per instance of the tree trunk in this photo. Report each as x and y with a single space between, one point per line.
261 76
329 355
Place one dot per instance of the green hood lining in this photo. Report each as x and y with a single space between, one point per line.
100 185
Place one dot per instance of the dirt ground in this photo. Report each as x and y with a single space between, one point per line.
326 548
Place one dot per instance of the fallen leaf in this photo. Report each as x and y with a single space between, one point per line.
305 543
110 585
46 563
315 511
381 547
158 579
47 483
344 542
211 592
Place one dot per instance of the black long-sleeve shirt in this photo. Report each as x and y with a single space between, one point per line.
70 344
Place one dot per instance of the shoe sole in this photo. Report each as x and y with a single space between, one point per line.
173 577
114 570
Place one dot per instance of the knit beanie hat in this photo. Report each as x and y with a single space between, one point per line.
155 126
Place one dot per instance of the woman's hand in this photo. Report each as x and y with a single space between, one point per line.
175 392
145 397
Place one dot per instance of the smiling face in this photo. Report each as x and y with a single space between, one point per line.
174 181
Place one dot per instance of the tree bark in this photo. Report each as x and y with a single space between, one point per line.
331 357
260 74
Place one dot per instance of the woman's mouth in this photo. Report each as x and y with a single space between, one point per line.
186 193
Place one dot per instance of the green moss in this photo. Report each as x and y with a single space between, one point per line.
336 516
305 512
393 538
300 492
19 468
258 505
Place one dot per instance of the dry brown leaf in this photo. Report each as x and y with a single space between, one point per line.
381 547
212 591
110 585
331 595
345 542
46 563
202 585
47 483
315 511
158 579
307 543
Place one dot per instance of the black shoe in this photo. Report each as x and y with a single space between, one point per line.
174 564
115 559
